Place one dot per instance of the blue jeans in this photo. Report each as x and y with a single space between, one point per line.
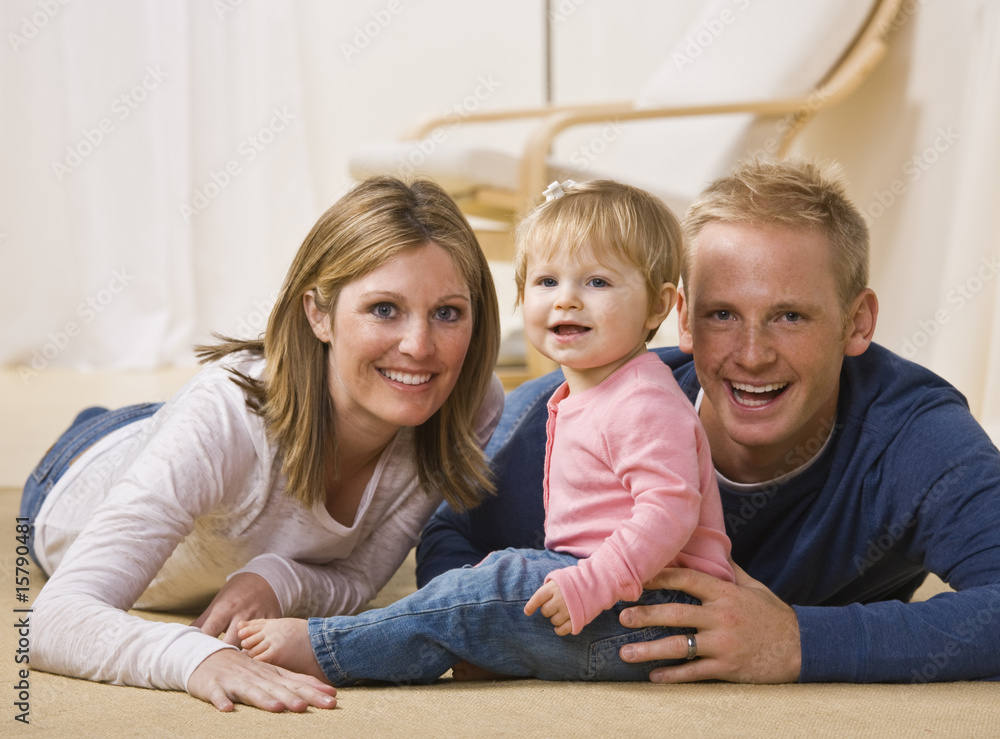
476 614
89 427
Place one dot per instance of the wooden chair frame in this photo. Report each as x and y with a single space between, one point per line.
864 53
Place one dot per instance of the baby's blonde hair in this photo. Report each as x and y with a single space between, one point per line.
606 217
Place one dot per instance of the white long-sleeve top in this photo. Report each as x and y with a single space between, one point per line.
160 513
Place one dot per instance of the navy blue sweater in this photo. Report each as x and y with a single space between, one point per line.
909 484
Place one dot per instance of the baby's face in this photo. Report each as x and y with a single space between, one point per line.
589 315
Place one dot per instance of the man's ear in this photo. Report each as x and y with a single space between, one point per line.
861 323
318 319
686 344
662 307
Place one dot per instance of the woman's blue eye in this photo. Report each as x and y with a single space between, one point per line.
384 310
448 313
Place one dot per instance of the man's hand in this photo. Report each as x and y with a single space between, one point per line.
550 599
245 597
745 633
228 676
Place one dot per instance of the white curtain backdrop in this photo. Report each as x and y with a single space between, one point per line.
968 352
160 162
920 143
155 177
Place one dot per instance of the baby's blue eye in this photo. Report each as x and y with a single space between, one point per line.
547 282
599 282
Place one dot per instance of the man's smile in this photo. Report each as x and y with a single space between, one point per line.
754 396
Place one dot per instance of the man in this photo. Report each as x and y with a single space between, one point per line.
847 473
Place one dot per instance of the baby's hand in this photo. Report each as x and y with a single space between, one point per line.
550 599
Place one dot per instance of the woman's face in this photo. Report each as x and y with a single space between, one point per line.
399 338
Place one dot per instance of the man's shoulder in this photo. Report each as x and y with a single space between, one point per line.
880 378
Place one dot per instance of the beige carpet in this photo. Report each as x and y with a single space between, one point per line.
60 706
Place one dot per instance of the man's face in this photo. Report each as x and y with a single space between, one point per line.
763 319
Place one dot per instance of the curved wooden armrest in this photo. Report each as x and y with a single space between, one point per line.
534 163
422 128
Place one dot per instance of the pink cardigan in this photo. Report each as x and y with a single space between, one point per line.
629 488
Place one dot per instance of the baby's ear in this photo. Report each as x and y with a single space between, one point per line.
662 306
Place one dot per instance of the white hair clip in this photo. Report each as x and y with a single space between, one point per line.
557 189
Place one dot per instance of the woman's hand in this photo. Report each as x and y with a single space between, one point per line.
245 597
228 676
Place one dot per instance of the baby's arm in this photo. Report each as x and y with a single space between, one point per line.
283 642
553 606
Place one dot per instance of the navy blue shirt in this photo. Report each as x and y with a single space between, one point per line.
909 483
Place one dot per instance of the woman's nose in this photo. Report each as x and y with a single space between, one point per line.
417 341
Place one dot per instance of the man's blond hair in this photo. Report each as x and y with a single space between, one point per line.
796 193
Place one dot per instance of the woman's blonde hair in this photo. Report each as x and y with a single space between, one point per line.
374 222
605 217
796 193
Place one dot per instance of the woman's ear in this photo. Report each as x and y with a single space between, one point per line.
861 323
318 319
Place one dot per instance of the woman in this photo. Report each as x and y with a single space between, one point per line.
292 475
